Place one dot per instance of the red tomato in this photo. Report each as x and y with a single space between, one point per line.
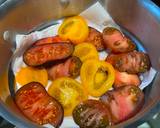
54 39
92 114
123 102
35 103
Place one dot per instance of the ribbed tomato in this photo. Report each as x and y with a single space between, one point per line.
34 102
91 114
123 102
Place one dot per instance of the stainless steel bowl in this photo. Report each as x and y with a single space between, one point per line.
139 17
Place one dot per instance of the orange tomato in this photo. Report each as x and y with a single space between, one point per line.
29 74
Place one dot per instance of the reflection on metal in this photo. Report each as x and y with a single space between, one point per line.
64 3
7 5
2 1
11 82
154 9
140 46
45 25
10 37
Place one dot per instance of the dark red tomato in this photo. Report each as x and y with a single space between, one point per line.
91 114
131 62
35 103
123 102
45 53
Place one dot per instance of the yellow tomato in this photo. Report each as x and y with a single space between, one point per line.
85 51
29 74
68 92
74 28
97 76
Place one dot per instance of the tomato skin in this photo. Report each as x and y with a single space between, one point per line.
75 66
47 40
34 102
91 113
68 92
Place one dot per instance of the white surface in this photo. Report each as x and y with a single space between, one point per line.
95 14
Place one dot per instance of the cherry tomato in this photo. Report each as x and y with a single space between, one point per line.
85 51
68 92
75 29
97 76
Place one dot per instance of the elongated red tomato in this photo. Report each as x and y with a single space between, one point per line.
42 54
35 103
131 62
47 40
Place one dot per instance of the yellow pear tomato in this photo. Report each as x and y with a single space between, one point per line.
97 76
85 51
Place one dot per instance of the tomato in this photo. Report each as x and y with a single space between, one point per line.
54 39
29 74
34 102
116 42
132 62
95 38
97 76
75 29
68 92
44 54
85 51
123 102
91 114
70 68
124 78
